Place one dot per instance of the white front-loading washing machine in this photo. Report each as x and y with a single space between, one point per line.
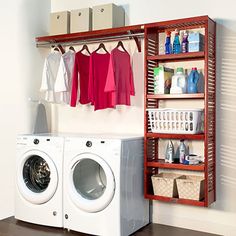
39 165
103 185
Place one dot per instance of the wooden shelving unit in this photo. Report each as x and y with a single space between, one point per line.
152 161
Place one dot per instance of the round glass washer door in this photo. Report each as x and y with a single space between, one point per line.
37 177
91 182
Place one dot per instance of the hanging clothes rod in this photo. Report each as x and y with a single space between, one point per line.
134 36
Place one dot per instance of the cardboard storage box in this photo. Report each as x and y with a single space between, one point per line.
108 16
162 79
196 42
60 23
81 20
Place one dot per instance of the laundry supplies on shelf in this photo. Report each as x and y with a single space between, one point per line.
179 82
176 43
170 152
193 79
184 44
162 80
168 46
182 152
196 42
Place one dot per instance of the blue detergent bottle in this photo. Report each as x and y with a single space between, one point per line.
176 43
168 47
193 79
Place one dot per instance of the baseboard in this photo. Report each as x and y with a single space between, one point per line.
196 224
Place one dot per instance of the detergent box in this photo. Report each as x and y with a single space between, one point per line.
162 79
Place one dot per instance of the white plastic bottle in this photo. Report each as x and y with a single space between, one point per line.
183 151
179 82
169 157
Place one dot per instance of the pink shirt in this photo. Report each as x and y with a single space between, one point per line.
98 69
120 77
81 68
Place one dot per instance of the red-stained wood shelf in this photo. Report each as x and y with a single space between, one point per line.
176 136
160 163
180 56
176 96
175 200
126 30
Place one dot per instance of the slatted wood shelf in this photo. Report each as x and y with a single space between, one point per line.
176 136
175 200
180 56
176 96
160 163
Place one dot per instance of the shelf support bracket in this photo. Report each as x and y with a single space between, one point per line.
137 41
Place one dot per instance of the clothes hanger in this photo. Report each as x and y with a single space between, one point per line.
85 47
101 46
59 48
72 48
120 44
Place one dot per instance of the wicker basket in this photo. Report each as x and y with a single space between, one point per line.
164 184
191 187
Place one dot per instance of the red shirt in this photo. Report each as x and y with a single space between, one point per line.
80 77
120 77
98 69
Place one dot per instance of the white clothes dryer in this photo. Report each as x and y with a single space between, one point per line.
39 165
103 185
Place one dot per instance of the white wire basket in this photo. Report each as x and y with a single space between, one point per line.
178 121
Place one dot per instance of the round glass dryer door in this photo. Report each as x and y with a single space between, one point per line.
92 183
37 177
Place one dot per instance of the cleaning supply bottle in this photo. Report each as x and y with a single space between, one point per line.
193 79
179 82
182 152
168 47
184 45
176 43
169 155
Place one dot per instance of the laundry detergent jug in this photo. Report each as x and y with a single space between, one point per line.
179 82
193 80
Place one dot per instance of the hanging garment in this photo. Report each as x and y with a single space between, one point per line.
64 77
120 77
40 124
80 79
98 69
50 69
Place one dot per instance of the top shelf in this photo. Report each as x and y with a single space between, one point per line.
88 35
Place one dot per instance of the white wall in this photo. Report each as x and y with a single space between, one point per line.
220 217
20 21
